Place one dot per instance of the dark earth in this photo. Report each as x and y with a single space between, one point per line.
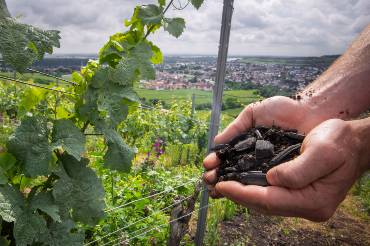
248 157
348 226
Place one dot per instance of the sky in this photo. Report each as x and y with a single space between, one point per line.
259 27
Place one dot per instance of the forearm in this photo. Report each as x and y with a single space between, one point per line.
361 129
343 91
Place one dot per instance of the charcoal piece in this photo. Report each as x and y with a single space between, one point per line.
253 178
294 135
230 169
258 134
246 162
264 149
245 144
230 176
219 147
223 154
284 154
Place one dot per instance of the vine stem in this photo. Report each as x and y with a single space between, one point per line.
87 123
165 10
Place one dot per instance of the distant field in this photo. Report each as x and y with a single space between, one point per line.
37 78
244 96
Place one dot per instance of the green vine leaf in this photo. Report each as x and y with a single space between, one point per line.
30 99
141 57
175 26
29 227
44 201
3 177
7 161
30 145
62 234
78 189
119 156
21 45
157 57
197 3
11 202
150 14
69 138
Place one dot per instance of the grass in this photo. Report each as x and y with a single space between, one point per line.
244 96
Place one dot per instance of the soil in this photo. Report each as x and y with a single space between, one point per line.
344 228
248 157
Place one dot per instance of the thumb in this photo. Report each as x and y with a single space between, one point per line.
301 171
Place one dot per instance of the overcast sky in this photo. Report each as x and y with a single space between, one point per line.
260 27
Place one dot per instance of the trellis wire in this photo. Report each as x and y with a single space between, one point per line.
139 220
153 228
150 196
35 85
51 76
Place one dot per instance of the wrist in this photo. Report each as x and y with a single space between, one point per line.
312 114
361 130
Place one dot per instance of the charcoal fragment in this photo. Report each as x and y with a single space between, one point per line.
246 162
258 134
245 144
230 170
264 149
294 135
253 178
219 147
284 154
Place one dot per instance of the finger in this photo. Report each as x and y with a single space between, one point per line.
215 194
210 177
271 200
308 167
243 122
211 161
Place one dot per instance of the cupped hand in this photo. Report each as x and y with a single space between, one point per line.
280 111
310 186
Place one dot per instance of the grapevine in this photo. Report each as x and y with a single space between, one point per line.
47 189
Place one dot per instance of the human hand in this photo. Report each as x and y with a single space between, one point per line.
310 186
280 111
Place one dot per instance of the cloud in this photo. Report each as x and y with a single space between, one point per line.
260 27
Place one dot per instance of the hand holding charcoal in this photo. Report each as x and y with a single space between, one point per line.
310 186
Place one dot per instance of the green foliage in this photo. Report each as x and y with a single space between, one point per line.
151 14
68 137
78 188
49 194
197 3
32 96
231 102
45 202
362 190
175 26
10 203
119 156
29 228
21 45
30 146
